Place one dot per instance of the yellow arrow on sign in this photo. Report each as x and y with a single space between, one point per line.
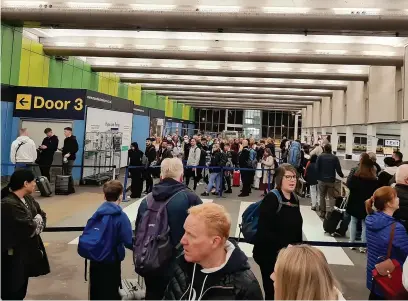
23 101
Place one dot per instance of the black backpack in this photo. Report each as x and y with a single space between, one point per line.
203 157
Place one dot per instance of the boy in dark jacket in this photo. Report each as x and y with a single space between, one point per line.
105 275
48 148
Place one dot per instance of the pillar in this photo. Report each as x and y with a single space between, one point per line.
372 138
349 141
404 140
226 119
303 135
334 139
309 136
296 126
314 136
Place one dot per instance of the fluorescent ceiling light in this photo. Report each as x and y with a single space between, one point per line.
31 4
69 44
193 48
219 9
283 50
312 70
153 47
174 65
331 51
207 66
89 5
236 49
379 53
357 11
103 45
286 10
152 7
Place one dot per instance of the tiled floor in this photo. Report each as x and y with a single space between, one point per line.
66 280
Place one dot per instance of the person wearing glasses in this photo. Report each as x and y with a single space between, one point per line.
280 224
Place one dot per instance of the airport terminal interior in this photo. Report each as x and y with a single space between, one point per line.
120 71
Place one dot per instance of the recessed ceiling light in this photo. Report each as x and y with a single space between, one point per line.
89 5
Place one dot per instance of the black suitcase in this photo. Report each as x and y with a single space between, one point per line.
62 185
330 224
44 186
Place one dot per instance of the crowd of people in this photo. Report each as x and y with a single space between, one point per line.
182 246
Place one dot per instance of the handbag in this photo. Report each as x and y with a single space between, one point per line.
387 275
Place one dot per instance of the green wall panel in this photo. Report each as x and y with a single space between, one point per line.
161 102
6 53
16 57
94 82
24 66
77 78
86 80
67 73
123 91
55 74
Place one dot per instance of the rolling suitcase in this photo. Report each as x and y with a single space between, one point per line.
330 224
44 186
236 178
62 185
131 289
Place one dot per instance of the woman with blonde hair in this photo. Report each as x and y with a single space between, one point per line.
302 273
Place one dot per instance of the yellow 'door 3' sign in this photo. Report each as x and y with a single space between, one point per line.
48 104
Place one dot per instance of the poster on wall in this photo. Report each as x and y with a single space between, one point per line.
156 127
99 121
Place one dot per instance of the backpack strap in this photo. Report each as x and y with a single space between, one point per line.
389 249
18 147
150 199
282 203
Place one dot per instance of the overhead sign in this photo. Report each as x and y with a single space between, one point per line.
51 103
392 142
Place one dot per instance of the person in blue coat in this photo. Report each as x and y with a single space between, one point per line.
378 225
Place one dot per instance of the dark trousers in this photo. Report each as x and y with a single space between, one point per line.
344 225
246 181
190 173
105 279
67 171
13 283
374 296
227 179
149 180
45 171
136 187
156 286
266 272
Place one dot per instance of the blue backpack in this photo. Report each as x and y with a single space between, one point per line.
250 217
97 241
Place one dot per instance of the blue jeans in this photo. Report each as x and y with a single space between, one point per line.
353 229
214 178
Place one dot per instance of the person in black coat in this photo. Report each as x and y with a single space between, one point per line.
245 162
135 157
22 250
362 186
47 149
69 151
311 177
151 155
278 225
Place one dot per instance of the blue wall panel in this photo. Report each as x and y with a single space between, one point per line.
140 130
78 131
6 136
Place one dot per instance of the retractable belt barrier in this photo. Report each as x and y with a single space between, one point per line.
310 242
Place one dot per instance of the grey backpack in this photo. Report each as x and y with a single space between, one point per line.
152 247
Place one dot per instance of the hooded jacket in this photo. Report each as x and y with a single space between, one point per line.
176 209
26 153
233 280
47 155
194 156
402 213
294 156
378 230
121 223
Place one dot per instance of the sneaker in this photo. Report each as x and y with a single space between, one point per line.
352 248
214 193
243 195
362 250
313 208
338 234
205 194
228 191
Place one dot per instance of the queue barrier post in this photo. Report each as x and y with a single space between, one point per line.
124 199
269 180
221 188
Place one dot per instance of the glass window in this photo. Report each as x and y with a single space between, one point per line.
221 127
197 115
278 132
356 140
272 117
209 116
203 116
216 116
278 120
292 133
264 131
342 139
265 118
380 141
231 116
222 116
202 126
239 116
363 140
